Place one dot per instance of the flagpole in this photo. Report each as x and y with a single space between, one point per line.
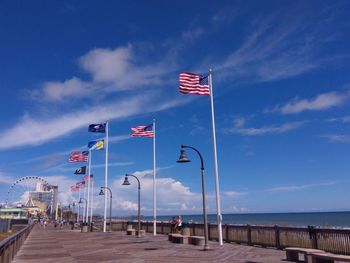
218 206
154 181
78 214
84 210
92 199
106 183
88 191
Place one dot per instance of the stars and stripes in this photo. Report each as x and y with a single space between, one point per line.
87 178
77 186
73 188
192 83
79 156
142 131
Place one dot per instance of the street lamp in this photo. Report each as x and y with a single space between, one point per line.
80 202
126 182
110 204
183 159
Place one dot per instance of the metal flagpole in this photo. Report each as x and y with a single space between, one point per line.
88 191
78 214
154 181
218 206
84 204
106 183
92 198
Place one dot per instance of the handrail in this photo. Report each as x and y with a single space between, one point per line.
10 245
331 240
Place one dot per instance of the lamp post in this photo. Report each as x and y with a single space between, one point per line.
126 182
81 201
183 159
110 204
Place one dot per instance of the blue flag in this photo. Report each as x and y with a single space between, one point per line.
97 127
96 145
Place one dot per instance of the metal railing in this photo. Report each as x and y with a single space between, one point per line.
331 240
9 246
5 225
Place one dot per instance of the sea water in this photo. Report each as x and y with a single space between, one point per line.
324 219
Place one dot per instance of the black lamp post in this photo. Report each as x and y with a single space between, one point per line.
126 182
183 159
80 202
110 204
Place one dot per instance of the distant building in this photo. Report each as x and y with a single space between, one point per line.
13 213
39 203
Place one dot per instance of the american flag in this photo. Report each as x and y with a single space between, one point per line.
142 131
80 184
74 188
79 157
192 83
86 178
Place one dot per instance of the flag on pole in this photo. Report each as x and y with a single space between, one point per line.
142 131
96 145
81 156
74 188
192 83
87 178
81 170
97 128
80 184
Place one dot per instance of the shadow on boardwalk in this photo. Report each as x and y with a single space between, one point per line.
66 246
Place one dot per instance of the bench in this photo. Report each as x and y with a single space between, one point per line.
130 232
196 240
292 253
328 258
178 238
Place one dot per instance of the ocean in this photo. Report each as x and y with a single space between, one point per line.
323 219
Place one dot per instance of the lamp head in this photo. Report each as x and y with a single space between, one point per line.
101 192
183 158
126 181
80 201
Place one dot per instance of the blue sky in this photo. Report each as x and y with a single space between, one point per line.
281 91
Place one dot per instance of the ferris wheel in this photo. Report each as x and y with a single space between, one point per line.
19 193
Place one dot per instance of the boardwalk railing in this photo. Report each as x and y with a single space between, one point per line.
331 240
5 225
9 246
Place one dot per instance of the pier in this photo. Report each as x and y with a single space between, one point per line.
68 246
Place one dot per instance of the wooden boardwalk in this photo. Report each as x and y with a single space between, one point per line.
68 246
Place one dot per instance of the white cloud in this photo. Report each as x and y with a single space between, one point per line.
345 119
121 68
34 131
239 122
342 138
114 164
286 127
321 102
5 179
294 188
192 34
65 196
57 91
172 195
119 138
275 50
233 194
237 209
